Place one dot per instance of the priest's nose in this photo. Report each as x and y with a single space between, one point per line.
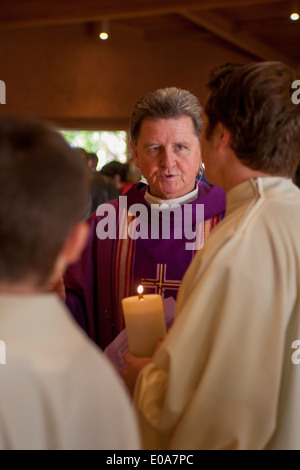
168 158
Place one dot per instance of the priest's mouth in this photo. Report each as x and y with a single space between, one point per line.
169 176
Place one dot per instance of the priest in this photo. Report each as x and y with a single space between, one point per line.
151 236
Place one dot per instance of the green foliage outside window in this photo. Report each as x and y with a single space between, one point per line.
108 145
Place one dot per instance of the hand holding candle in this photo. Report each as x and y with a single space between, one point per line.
145 322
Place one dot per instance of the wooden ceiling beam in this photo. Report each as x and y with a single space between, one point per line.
226 30
31 13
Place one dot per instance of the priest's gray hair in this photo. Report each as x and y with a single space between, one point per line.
166 103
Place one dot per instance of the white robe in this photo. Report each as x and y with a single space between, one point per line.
224 378
57 390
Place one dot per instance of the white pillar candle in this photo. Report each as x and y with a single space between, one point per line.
145 323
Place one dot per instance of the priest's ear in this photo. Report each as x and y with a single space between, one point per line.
134 154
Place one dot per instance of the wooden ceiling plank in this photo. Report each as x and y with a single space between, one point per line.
32 13
225 30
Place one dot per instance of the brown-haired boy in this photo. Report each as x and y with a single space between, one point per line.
57 391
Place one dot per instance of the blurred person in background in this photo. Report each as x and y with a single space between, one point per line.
119 172
102 187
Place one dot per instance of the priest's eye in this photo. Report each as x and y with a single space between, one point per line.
154 149
180 147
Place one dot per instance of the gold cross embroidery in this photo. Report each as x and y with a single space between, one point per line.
161 283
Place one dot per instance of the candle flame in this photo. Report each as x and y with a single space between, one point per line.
140 289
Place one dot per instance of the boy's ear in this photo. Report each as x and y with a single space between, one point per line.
75 243
69 253
224 136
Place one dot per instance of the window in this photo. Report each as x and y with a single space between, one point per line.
108 145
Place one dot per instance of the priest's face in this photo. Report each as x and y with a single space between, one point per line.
168 155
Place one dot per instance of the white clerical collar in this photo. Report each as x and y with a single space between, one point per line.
167 203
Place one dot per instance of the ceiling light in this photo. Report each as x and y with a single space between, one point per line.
294 16
104 30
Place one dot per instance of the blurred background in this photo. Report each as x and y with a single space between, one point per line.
55 65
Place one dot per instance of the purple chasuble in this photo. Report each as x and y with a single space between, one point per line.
112 268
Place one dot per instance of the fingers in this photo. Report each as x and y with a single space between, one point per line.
133 367
158 344
128 358
58 287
